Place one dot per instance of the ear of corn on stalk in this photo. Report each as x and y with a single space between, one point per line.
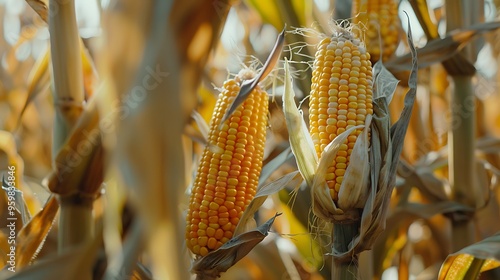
378 16
229 171
340 98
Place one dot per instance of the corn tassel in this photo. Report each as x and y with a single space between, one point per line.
340 98
230 167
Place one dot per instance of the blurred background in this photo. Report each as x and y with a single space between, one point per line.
417 239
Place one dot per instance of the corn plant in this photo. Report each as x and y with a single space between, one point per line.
254 139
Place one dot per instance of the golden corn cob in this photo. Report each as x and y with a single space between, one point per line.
378 16
230 167
340 98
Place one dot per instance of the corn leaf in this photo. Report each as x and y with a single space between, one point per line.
124 264
32 236
300 140
398 130
246 221
385 83
41 7
231 252
268 11
79 164
422 12
274 164
73 263
20 203
423 178
248 85
440 50
202 124
489 144
458 264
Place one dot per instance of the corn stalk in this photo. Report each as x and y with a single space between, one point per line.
462 132
76 219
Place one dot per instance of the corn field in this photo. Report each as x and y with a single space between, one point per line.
252 139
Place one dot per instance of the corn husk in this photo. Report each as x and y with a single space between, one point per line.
366 200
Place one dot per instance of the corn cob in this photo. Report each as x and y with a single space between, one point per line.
375 16
230 167
340 98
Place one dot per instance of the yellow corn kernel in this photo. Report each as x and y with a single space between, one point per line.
227 178
378 16
346 101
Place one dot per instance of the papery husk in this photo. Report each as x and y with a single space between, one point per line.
220 260
322 204
386 146
354 188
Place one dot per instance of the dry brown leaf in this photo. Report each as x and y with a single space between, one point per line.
73 263
79 163
248 85
40 7
300 141
489 144
385 150
421 10
424 180
440 50
31 237
220 260
153 173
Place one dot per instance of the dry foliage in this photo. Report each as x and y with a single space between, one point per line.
101 134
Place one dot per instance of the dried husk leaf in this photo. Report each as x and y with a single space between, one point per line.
247 221
20 204
41 7
300 140
440 50
32 236
247 234
248 85
79 163
385 83
354 188
489 144
75 262
202 124
424 180
220 260
386 146
322 203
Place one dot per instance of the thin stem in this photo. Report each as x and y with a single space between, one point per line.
76 224
462 160
66 69
462 133
342 235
